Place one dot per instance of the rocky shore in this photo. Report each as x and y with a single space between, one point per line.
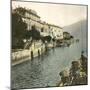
76 75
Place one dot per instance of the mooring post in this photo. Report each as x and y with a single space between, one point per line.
31 55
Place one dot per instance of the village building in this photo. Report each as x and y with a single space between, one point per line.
55 32
31 18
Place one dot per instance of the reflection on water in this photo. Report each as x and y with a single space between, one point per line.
44 71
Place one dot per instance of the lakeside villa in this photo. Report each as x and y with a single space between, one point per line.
31 18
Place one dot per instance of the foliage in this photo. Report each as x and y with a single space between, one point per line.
48 38
35 34
20 10
67 36
18 30
53 39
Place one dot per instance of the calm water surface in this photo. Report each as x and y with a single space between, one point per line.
44 71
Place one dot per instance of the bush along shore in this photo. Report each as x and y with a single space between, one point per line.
76 75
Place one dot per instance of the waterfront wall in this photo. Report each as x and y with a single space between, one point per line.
26 54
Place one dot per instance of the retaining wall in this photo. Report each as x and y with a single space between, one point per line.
24 55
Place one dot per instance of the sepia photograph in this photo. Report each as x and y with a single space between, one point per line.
49 44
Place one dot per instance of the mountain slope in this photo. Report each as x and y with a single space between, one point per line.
78 29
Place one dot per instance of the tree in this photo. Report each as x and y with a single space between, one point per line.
20 10
48 38
28 34
35 33
71 37
18 30
66 35
43 39
53 39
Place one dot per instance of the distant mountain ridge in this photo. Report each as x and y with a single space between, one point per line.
80 31
78 28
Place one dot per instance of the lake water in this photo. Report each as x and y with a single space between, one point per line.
44 71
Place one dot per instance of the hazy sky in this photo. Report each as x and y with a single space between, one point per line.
58 14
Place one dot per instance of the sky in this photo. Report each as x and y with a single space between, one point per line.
58 14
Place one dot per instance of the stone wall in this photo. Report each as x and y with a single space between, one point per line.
25 54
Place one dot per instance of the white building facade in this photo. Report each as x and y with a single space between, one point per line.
56 32
31 18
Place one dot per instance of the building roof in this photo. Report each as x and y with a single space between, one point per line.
30 11
55 26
